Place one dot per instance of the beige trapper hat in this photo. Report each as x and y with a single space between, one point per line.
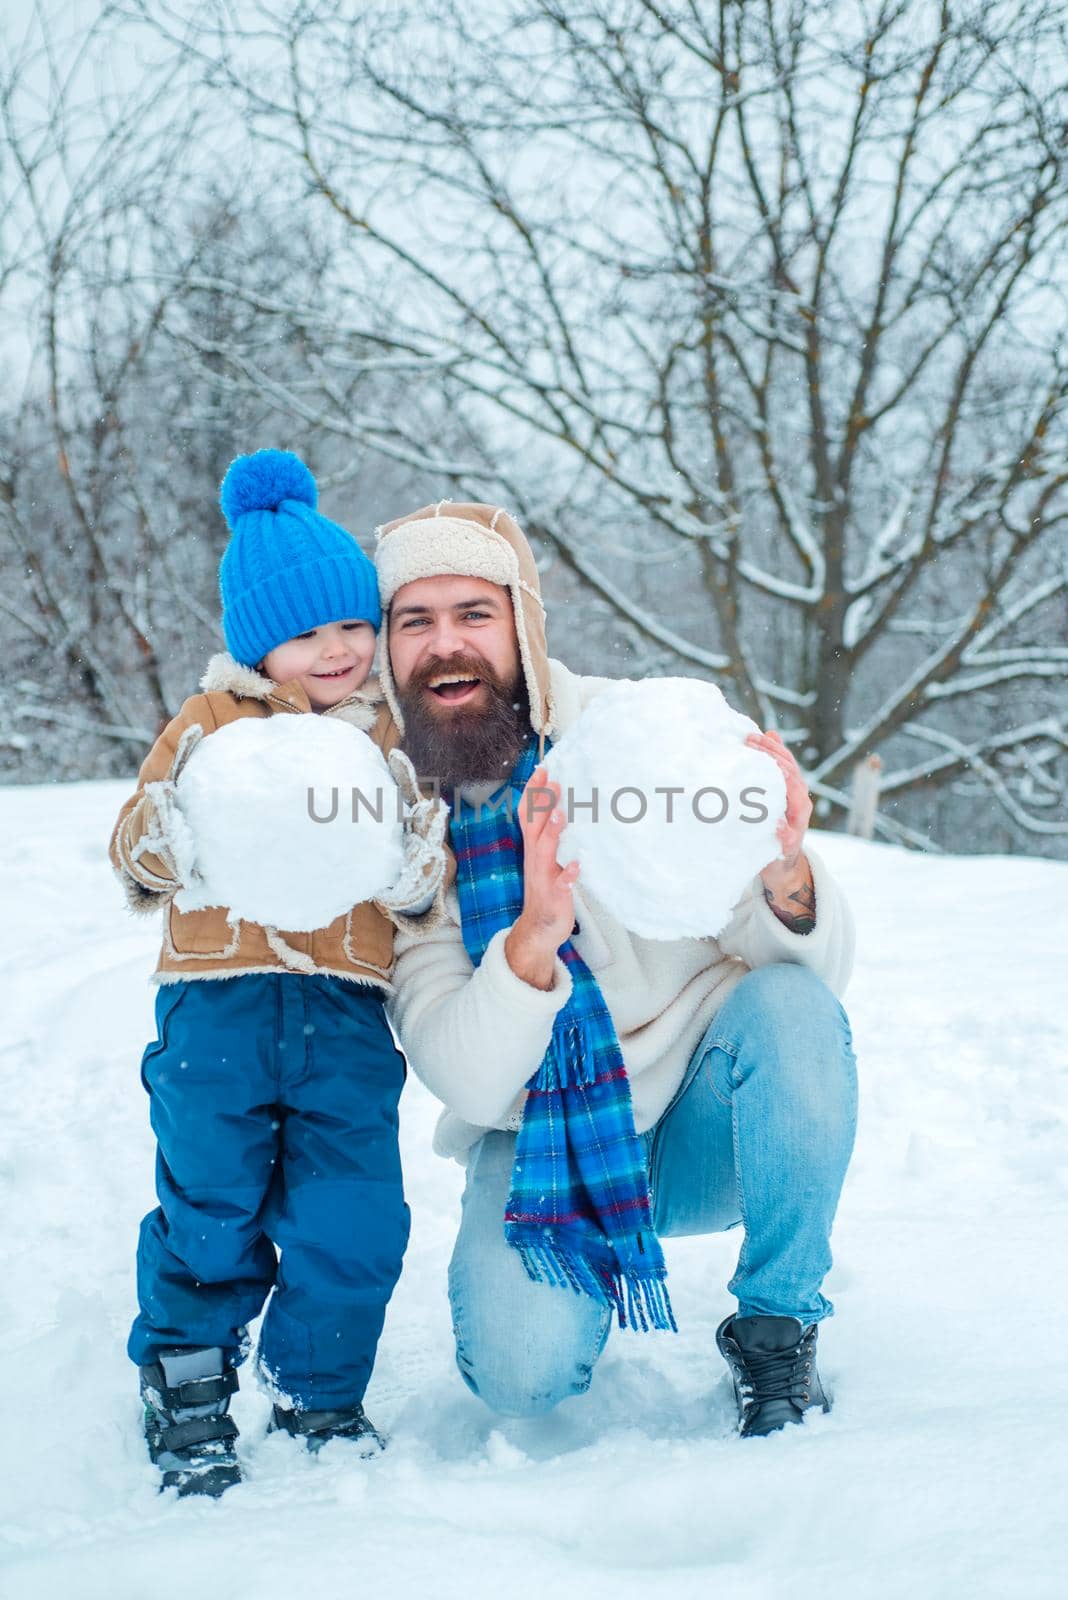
470 541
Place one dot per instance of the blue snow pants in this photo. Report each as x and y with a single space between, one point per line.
274 1103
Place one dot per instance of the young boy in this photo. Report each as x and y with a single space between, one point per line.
273 1093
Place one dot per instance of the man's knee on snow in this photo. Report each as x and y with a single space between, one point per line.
528 1386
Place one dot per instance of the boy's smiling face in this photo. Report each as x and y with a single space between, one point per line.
329 662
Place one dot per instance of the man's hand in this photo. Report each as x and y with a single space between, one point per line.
548 913
788 887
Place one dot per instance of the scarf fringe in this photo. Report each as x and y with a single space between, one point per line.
570 1062
650 1299
640 1300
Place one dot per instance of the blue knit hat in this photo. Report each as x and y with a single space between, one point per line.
286 568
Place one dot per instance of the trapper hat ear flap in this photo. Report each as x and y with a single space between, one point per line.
470 540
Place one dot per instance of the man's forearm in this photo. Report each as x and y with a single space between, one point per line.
791 895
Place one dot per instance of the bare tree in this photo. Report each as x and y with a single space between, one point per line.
87 179
118 223
757 314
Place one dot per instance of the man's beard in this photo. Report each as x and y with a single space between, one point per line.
455 745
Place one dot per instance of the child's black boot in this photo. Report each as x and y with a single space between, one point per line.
317 1428
190 1436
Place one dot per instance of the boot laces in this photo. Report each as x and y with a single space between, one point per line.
779 1374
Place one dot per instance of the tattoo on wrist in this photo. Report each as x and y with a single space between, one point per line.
799 917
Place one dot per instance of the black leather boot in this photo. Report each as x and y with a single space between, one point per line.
186 1395
773 1364
317 1428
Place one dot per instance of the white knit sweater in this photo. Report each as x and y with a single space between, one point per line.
475 1037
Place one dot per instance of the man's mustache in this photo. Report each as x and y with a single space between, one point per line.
463 665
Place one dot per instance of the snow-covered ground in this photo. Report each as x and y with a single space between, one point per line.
940 1474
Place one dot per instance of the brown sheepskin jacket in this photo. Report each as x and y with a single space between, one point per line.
203 944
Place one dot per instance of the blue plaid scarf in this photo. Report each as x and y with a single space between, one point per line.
579 1209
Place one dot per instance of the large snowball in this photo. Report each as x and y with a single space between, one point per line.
245 795
677 878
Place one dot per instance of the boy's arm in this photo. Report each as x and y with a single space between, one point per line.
151 848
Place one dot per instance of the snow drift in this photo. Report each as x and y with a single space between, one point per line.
938 1474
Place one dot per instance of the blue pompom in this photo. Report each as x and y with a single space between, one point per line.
260 482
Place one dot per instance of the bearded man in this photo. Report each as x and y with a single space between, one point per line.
602 1089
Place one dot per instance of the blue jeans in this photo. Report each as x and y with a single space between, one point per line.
759 1135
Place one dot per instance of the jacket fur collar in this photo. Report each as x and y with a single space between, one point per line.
224 675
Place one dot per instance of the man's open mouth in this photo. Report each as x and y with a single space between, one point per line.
453 687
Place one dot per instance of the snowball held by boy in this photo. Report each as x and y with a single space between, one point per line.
295 820
670 813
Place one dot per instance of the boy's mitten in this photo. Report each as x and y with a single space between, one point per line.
425 858
165 833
